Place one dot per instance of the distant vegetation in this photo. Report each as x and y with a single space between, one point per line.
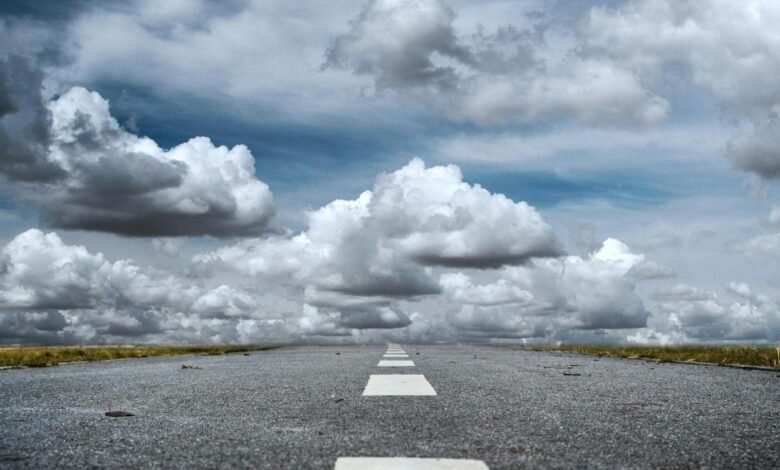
767 356
41 356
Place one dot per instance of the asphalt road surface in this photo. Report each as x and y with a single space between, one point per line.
304 407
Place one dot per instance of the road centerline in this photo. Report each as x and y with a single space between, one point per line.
407 463
398 385
395 363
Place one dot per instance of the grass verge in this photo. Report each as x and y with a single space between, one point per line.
747 355
41 356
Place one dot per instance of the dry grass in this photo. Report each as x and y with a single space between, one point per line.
749 355
41 356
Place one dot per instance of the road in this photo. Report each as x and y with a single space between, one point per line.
304 407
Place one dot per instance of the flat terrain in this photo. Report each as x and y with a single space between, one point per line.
304 407
31 356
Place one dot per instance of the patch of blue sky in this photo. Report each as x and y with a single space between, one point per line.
545 188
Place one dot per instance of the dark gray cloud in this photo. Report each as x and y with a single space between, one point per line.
400 284
32 327
24 124
488 260
378 317
759 151
499 77
395 41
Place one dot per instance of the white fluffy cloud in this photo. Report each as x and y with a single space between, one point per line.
119 182
541 297
551 296
699 314
86 172
52 291
379 244
358 259
730 48
40 271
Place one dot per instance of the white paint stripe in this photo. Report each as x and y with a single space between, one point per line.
407 463
398 385
395 351
396 355
395 364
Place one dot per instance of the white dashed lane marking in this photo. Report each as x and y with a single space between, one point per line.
407 463
396 356
395 364
398 385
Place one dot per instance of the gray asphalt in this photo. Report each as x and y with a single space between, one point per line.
301 407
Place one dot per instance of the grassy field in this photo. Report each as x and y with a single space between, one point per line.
767 356
41 356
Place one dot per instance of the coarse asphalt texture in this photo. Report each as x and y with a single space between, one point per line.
302 407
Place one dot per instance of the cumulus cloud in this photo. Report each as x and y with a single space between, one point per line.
488 78
43 272
703 315
54 292
551 296
122 183
380 244
461 289
92 174
360 260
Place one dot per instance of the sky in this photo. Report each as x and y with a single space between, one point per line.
255 171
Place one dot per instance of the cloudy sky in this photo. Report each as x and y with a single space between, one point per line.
407 170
